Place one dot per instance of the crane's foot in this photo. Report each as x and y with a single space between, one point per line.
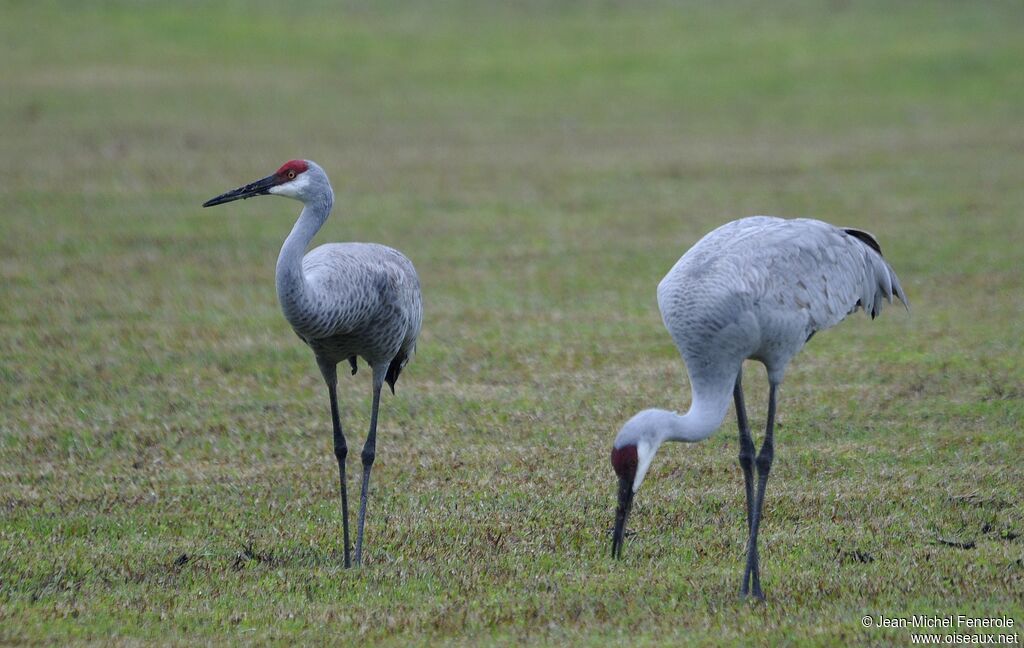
756 596
751 581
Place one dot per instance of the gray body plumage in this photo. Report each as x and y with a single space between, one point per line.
760 287
364 300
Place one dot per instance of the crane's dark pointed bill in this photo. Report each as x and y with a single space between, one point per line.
258 188
624 461
621 515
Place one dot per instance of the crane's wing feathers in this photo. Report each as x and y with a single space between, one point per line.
368 301
829 271
865 237
888 284
787 279
395 369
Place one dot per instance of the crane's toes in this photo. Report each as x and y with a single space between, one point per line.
625 534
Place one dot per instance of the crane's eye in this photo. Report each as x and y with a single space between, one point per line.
291 174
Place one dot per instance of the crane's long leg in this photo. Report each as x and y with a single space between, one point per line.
369 451
764 466
330 373
746 459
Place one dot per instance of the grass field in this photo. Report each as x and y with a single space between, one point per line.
165 465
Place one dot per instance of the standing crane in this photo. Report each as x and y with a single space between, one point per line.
343 300
755 288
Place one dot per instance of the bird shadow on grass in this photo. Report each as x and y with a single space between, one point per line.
249 556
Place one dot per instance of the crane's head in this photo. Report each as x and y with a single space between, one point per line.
299 179
632 453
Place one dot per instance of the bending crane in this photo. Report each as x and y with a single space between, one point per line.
755 288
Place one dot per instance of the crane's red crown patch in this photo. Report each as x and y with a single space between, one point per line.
295 166
624 461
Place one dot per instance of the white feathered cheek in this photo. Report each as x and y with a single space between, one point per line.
644 455
293 189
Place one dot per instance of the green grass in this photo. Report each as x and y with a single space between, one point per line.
165 464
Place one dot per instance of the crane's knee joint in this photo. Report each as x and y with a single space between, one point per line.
368 456
341 452
747 458
764 463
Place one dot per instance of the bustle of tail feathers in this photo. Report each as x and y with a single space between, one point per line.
395 369
888 283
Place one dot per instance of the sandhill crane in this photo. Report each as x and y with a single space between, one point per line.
343 300
755 288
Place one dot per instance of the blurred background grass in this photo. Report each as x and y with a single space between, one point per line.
165 466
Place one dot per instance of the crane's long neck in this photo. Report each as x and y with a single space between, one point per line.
293 290
706 413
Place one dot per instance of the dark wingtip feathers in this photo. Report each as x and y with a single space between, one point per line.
867 238
395 369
